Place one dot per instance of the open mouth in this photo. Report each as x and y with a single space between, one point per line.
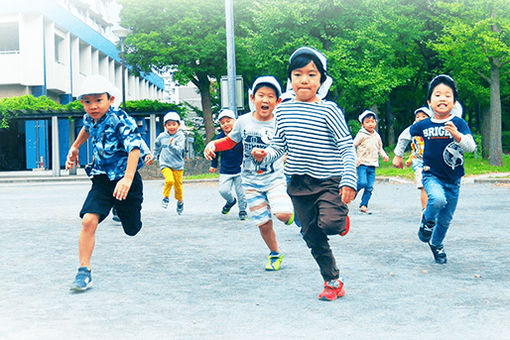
264 107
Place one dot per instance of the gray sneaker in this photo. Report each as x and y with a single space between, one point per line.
82 281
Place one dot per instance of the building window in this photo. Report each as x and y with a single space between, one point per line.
59 49
9 38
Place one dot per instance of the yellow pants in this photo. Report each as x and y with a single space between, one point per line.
173 178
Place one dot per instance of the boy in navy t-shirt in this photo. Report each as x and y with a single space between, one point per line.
230 169
446 138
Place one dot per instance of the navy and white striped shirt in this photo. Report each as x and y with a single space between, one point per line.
317 141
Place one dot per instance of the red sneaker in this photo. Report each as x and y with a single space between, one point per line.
347 226
333 289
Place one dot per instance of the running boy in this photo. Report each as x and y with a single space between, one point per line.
169 150
230 170
446 138
321 161
369 146
116 183
416 158
265 186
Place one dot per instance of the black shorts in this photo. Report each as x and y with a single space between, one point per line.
100 201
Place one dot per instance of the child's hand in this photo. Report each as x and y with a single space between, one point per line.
452 129
209 151
148 159
259 154
347 194
398 162
212 170
171 140
386 158
122 188
71 157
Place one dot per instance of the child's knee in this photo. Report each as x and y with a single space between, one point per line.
438 202
284 217
89 223
131 229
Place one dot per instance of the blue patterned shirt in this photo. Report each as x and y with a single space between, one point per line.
112 137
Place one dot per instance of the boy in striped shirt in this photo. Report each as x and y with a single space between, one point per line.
321 161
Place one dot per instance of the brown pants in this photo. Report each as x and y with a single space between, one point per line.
319 209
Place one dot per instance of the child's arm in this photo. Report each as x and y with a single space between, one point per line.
465 141
124 184
382 153
222 144
358 139
75 148
148 159
403 141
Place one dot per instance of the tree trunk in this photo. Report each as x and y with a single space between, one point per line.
391 121
485 129
204 86
495 145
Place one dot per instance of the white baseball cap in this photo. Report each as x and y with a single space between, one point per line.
268 80
366 113
172 116
226 113
425 110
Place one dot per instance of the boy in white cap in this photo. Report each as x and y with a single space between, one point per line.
369 146
230 170
116 146
416 158
321 161
169 150
265 186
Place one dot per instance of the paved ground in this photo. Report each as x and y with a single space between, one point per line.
200 275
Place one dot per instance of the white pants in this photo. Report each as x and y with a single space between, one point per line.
225 189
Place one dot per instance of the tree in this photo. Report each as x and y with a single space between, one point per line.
476 42
188 35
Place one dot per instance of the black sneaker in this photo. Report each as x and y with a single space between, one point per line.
439 254
226 208
426 228
115 216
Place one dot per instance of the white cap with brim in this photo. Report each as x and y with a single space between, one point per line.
366 113
323 90
264 80
172 116
97 84
226 113
423 109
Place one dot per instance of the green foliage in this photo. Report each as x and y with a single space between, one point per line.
147 105
10 106
354 126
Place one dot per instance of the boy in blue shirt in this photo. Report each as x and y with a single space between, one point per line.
230 170
446 138
116 146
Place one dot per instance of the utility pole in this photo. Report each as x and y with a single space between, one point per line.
231 55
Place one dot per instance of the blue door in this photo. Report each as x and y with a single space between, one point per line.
36 142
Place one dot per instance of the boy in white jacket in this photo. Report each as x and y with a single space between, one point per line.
369 146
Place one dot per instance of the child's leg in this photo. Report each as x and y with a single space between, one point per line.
362 179
225 187
241 197
280 202
269 236
369 185
130 208
177 174
87 238
261 215
423 198
436 197
169 181
446 214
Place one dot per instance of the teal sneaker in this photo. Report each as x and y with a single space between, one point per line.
274 261
226 208
82 281
180 207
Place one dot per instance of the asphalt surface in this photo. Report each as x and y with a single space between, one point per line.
201 275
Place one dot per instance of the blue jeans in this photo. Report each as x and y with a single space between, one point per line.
441 205
366 180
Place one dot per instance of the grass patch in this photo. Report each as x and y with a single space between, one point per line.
202 176
472 166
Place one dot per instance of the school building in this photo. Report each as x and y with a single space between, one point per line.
48 48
